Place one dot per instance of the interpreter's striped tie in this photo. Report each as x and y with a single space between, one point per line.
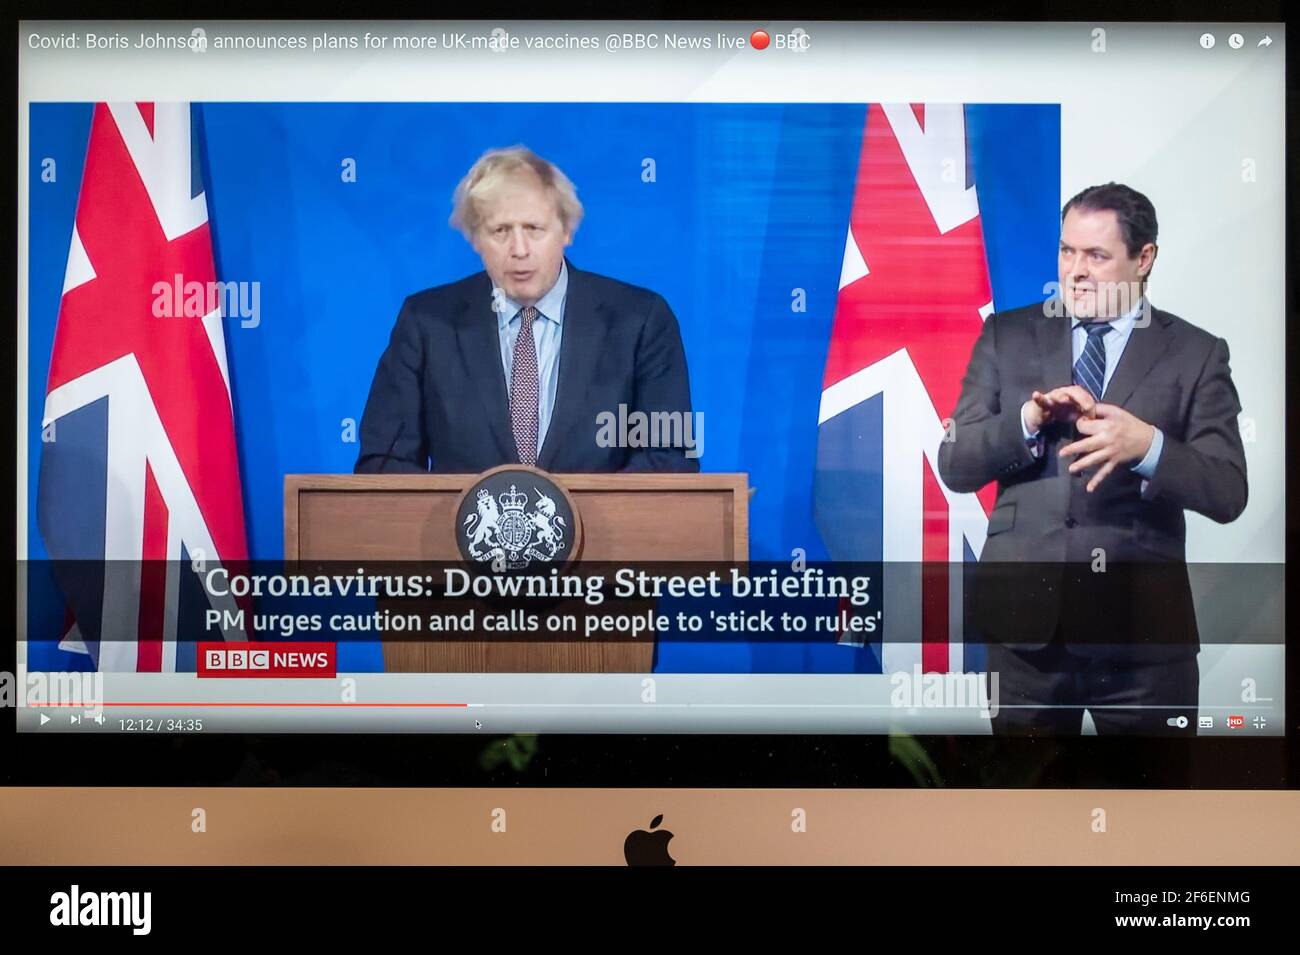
1090 369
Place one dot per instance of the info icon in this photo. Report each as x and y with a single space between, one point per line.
1207 41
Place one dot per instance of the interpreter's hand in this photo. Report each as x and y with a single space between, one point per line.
1065 404
1111 437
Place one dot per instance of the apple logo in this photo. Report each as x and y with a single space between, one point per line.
643 847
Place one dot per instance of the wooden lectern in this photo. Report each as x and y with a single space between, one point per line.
625 518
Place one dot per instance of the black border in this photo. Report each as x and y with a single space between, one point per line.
707 761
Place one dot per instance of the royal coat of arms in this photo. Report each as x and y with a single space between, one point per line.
511 531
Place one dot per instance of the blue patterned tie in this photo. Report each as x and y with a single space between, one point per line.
1090 369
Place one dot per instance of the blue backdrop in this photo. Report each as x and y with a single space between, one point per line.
748 203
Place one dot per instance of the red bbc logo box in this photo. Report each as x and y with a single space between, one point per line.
267 659
1236 722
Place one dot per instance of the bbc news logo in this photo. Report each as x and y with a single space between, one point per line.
267 660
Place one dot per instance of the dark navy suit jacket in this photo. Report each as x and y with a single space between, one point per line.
440 399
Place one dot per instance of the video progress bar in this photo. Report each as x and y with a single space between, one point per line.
250 703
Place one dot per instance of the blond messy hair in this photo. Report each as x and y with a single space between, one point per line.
495 167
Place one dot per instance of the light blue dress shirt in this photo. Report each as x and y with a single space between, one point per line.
1115 341
548 328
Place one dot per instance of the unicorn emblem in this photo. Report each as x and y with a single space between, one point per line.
548 525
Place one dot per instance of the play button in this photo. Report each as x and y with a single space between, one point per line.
44 719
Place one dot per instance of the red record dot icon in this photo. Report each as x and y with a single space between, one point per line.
759 39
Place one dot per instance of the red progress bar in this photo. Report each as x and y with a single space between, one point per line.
82 706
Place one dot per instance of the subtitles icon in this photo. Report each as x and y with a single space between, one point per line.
1205 722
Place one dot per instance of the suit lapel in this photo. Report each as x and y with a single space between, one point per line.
480 346
1053 333
1146 343
581 341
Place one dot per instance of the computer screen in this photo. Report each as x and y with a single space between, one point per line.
578 377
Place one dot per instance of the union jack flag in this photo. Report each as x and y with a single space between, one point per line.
139 477
914 291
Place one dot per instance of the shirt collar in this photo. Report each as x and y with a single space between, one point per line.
550 305
1124 324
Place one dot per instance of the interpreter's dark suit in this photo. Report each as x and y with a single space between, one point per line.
1103 573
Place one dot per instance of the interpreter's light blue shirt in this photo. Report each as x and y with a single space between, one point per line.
548 328
1115 342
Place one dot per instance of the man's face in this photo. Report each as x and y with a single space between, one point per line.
521 239
1098 278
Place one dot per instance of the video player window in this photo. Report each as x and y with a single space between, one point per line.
660 378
